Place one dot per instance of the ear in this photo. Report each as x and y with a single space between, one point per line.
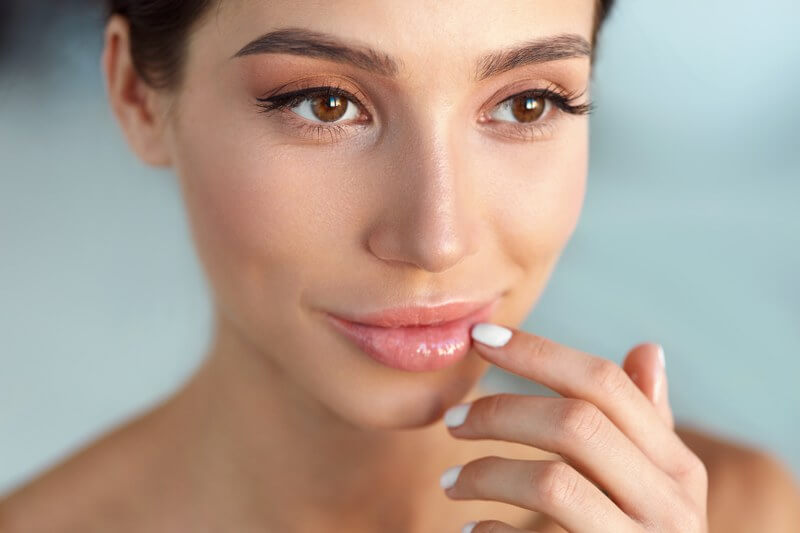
138 107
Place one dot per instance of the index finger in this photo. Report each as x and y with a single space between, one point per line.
576 374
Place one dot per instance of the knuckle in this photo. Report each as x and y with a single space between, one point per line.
691 469
535 346
490 409
580 420
556 484
479 473
700 473
609 376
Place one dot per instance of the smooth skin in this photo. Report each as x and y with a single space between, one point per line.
606 430
289 427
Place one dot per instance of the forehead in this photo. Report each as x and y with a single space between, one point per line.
418 34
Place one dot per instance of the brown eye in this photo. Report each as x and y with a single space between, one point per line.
527 108
326 108
522 108
329 108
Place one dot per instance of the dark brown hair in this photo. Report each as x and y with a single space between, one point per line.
159 31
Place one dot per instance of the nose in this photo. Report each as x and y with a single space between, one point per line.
430 218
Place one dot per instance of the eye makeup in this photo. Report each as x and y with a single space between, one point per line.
545 105
312 92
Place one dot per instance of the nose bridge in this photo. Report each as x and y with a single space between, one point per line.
428 219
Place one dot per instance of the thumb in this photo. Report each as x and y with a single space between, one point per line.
644 364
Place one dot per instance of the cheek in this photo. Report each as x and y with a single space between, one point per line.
261 222
538 195
267 218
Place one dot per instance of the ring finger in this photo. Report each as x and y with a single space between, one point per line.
551 487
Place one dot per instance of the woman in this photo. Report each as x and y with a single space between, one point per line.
378 194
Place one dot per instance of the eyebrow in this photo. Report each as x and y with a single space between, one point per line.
304 42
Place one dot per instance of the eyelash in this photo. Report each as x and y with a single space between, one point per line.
563 100
290 99
558 97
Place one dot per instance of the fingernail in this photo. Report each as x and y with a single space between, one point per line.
450 476
456 415
491 334
657 386
660 375
468 527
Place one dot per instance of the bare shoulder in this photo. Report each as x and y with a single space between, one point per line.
64 496
88 490
750 489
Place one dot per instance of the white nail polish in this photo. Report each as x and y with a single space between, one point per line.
491 334
456 415
468 527
661 356
450 476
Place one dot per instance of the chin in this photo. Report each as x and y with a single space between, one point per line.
404 400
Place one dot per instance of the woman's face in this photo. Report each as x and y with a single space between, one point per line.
435 184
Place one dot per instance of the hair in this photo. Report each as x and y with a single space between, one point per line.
160 29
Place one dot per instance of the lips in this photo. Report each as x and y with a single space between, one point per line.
417 316
415 339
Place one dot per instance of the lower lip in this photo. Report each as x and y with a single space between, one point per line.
415 348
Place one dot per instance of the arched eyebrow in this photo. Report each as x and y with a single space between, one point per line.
541 50
304 42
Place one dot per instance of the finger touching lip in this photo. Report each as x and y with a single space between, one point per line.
414 348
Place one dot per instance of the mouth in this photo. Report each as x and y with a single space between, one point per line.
415 339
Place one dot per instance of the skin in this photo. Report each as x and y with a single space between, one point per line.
289 427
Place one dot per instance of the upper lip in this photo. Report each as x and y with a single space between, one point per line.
418 315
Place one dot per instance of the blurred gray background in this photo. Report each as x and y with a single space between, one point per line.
689 235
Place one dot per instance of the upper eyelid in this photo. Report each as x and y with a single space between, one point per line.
555 96
320 89
314 88
562 97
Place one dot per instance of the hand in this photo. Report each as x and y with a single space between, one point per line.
625 468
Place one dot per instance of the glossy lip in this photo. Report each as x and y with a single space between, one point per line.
415 347
397 317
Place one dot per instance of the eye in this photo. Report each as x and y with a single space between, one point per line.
319 105
326 108
534 114
522 108
530 106
319 112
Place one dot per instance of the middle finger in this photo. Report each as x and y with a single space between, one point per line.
550 487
